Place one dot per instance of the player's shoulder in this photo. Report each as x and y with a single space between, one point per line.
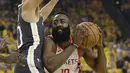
49 39
49 36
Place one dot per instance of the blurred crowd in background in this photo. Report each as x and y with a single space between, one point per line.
117 49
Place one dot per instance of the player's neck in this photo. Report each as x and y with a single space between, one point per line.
64 44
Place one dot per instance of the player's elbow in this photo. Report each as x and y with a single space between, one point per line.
51 67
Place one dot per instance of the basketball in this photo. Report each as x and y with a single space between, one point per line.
89 33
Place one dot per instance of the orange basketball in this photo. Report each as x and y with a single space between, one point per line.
89 32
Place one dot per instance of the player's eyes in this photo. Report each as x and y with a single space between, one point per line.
55 22
62 21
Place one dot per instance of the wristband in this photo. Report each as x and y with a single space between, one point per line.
71 44
74 45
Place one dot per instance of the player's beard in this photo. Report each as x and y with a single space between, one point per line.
60 37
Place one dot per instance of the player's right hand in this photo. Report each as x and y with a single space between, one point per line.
77 38
16 58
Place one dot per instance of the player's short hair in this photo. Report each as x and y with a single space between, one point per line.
64 13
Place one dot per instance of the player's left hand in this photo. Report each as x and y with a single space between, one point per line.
100 43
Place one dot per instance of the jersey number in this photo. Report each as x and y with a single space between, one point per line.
19 31
65 70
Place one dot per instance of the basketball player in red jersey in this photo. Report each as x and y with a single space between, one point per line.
62 56
30 34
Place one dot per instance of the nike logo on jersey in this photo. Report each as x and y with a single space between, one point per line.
59 50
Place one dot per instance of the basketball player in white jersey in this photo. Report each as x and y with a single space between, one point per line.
30 34
62 56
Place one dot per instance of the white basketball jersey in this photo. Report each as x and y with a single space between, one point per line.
72 63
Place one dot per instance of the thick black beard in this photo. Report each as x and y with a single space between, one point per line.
61 37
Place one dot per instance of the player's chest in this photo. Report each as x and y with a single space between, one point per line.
73 58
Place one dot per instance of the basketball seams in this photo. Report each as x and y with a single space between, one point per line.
88 34
85 36
92 30
96 27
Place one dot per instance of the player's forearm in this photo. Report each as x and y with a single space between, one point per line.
53 63
31 4
101 62
47 9
2 58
